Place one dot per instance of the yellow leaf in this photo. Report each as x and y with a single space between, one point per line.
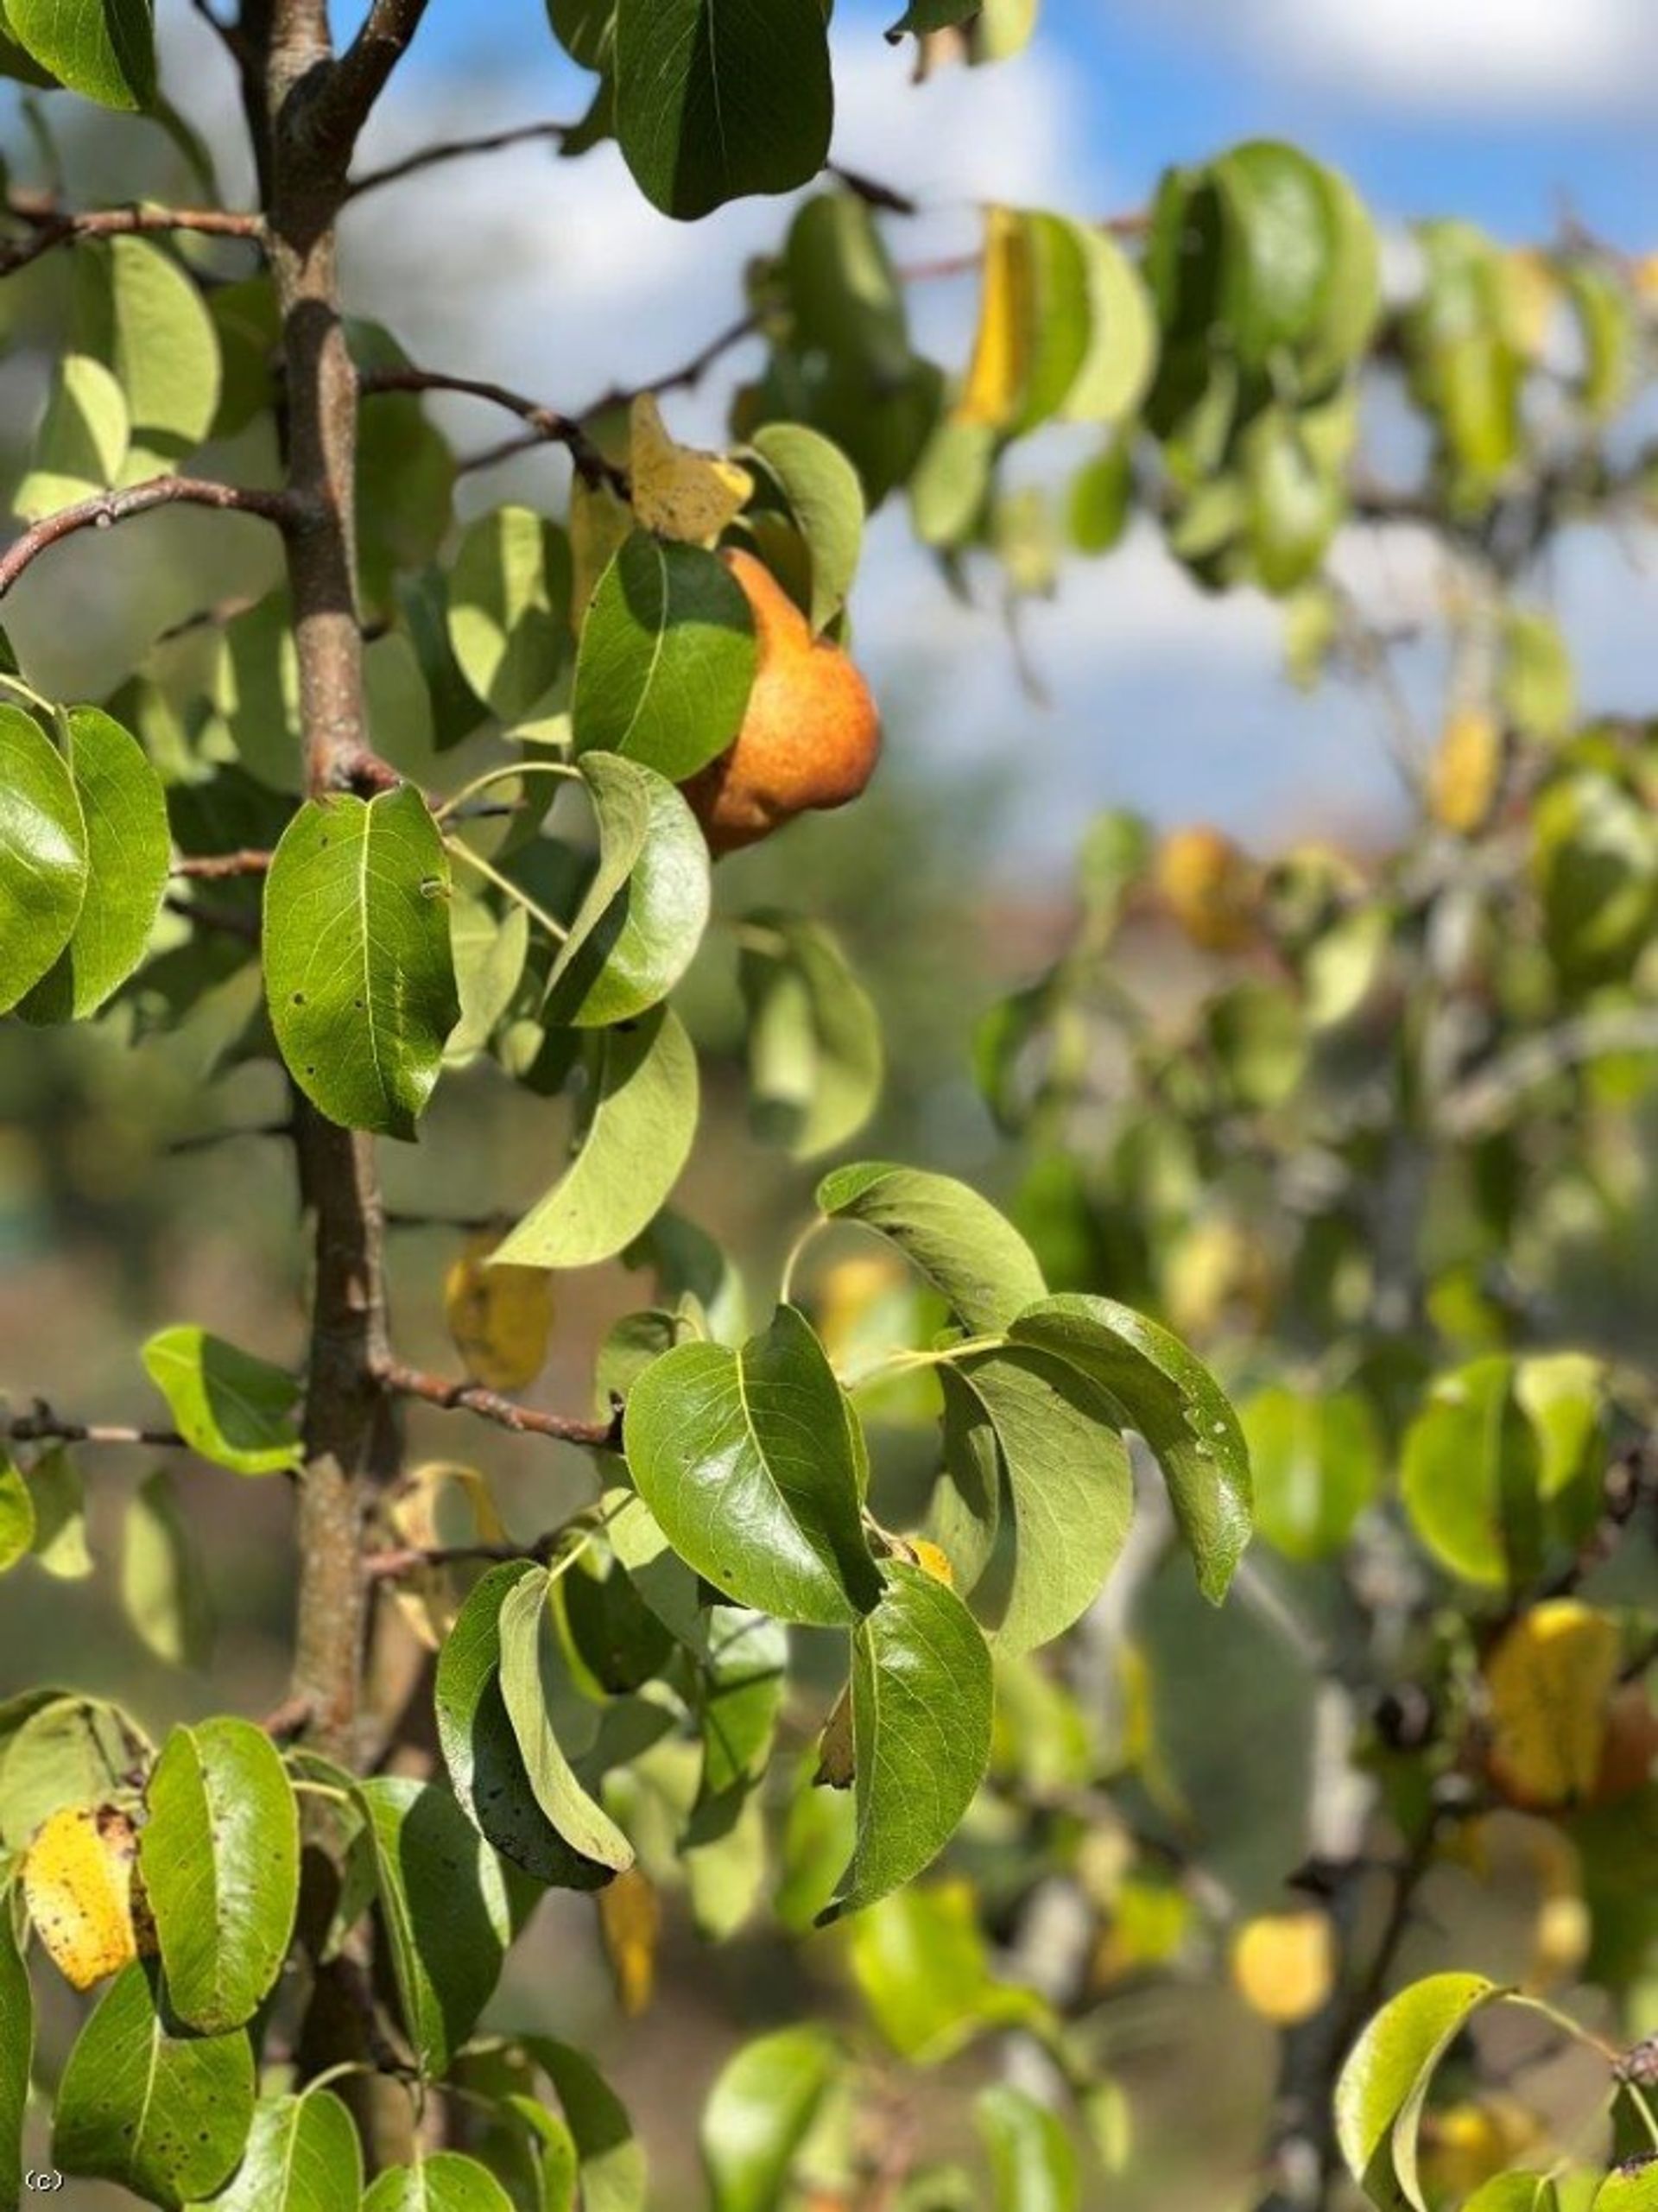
1210 886
1001 357
599 521
1284 1965
931 1561
499 1317
1531 296
1463 778
1549 1684
630 1922
836 1765
441 1505
78 1878
678 491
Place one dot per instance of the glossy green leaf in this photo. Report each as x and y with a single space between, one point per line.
228 1406
759 2112
641 1122
1033 2165
444 1904
129 850
816 1061
1385 2082
103 49
359 972
716 98
486 1760
16 2054
17 1520
302 2156
525 1626
958 1239
43 858
164 1589
509 610
80 447
164 2115
614 2170
220 1858
666 658
1317 1462
643 917
1037 1494
748 1462
1172 1400
923 1699
739 1699
446 2182
825 498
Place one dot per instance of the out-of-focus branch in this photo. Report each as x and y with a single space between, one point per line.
53 225
547 424
455 149
43 1426
111 507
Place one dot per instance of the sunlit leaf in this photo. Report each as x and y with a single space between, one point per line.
231 1407
43 854
78 1882
163 1584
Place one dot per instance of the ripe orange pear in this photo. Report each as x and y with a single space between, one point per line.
810 737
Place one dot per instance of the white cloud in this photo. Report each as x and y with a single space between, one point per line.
1463 56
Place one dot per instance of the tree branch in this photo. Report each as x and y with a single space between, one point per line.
454 150
400 1381
57 226
111 507
43 1426
548 425
398 1560
215 868
333 117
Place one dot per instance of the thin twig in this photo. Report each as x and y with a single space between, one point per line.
549 426
400 1381
454 150
111 507
332 120
43 1426
53 225
398 1560
216 867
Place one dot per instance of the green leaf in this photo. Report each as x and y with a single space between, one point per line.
228 1406
129 850
58 1751
1470 1476
715 99
1033 2161
643 917
80 447
1317 1461
359 972
815 1057
585 28
43 860
16 2054
17 1523
481 1747
1102 499
760 2111
302 2156
1632 2187
958 1239
163 1587
525 1629
1385 2082
509 610
641 1122
1170 1398
139 313
444 1903
614 2173
446 2182
164 2115
750 1463
60 1502
826 496
1038 1494
103 49
1536 686
923 1698
922 1966
666 658
1121 351
220 1858
490 955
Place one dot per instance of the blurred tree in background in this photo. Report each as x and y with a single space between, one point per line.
603 1534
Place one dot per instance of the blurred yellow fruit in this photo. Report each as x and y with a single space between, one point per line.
1464 2145
499 1317
1210 886
630 1922
1284 1965
1550 1683
1559 1941
1210 1269
1465 772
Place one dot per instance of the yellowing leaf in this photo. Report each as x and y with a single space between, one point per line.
1284 1965
499 1317
79 1878
678 491
1550 1683
600 523
1000 365
1209 886
1465 772
441 1505
630 1922
931 1561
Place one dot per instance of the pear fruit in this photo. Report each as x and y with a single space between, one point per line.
810 736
